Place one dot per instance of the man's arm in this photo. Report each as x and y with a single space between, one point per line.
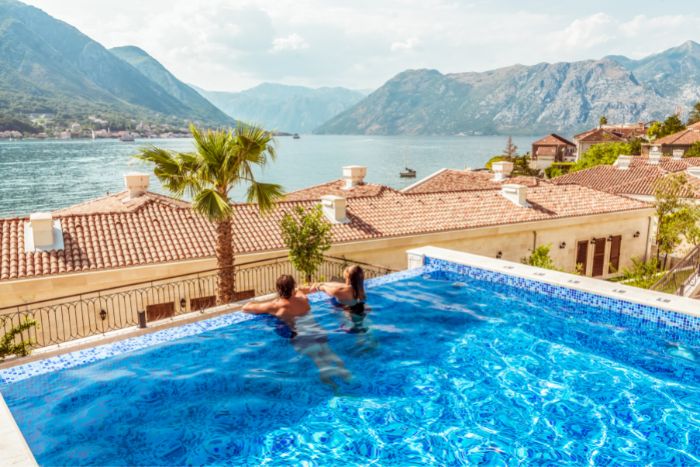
260 308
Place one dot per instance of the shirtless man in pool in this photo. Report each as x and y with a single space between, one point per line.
292 308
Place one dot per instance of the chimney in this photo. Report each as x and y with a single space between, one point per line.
354 175
516 194
42 233
654 156
501 170
678 154
136 184
693 171
334 208
623 162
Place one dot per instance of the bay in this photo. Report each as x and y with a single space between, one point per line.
47 175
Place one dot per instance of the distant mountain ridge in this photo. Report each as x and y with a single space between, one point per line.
296 109
562 97
49 67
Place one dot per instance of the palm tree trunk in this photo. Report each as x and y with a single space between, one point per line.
224 261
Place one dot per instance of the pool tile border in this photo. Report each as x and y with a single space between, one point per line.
101 352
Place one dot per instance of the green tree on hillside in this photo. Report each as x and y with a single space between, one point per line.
511 150
601 154
221 160
603 120
672 124
694 116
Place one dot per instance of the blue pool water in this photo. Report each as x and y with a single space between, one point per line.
453 370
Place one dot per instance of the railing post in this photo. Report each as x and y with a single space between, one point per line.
142 319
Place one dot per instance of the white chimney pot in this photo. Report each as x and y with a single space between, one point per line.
694 172
654 156
678 154
42 233
136 184
516 194
335 209
501 170
623 162
354 175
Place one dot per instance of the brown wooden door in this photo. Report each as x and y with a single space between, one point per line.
582 256
615 254
598 257
160 311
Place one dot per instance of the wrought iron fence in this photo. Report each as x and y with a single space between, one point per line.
682 276
67 318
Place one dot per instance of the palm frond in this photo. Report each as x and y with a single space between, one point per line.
264 194
212 205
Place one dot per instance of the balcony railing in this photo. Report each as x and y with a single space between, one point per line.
63 319
682 277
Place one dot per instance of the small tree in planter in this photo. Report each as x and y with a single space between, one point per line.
307 235
8 344
540 258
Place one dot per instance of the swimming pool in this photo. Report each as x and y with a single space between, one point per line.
454 369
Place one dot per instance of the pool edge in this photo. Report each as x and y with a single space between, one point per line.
13 446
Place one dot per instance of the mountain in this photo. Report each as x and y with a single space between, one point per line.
157 73
49 67
295 109
562 97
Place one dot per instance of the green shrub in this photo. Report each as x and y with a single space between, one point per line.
8 343
540 258
601 154
558 168
307 235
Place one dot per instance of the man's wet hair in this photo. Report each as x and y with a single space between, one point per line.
285 286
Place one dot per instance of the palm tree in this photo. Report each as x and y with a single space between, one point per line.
222 160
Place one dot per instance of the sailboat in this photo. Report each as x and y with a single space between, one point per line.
407 172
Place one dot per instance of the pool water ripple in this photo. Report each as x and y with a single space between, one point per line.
449 373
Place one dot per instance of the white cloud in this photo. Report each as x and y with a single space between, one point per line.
234 44
402 46
291 42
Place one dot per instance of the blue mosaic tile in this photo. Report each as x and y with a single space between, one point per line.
650 315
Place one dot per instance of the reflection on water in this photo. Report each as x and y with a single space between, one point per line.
46 175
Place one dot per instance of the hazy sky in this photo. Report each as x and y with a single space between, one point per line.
232 45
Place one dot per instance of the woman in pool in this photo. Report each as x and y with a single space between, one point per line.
349 295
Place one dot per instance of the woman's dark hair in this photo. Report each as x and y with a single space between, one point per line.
357 282
285 286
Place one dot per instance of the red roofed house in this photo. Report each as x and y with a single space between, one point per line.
552 148
137 236
608 134
676 144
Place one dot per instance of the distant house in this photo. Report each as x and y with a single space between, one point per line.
677 143
608 134
552 148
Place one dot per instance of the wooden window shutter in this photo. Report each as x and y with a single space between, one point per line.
615 254
598 257
582 256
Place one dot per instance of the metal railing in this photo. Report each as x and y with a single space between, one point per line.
681 277
63 319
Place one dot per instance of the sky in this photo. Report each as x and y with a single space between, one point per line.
230 45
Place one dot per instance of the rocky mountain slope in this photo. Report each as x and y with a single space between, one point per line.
49 67
296 109
561 97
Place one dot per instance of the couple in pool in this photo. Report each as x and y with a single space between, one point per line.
294 319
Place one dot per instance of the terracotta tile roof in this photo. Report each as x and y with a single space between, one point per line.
686 137
621 131
335 187
553 139
395 214
465 180
600 135
639 179
159 229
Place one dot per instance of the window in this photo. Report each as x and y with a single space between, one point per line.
582 257
614 265
598 257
